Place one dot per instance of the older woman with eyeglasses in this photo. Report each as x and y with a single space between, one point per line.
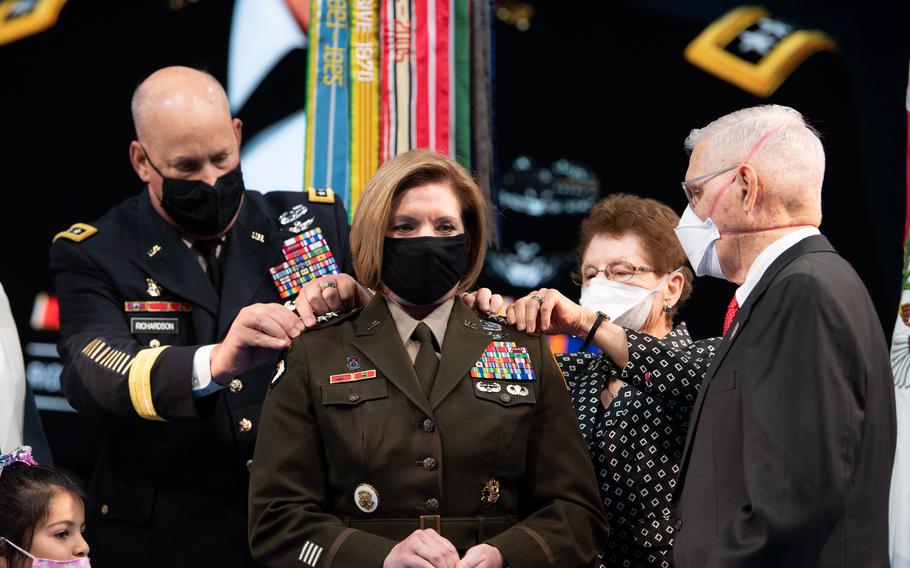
633 401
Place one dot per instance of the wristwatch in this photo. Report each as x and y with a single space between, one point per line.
601 317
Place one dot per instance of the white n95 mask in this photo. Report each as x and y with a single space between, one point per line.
628 306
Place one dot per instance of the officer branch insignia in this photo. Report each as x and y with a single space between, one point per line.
748 48
366 498
504 360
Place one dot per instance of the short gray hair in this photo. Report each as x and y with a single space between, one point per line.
791 161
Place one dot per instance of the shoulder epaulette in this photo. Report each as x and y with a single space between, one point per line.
321 195
755 52
77 233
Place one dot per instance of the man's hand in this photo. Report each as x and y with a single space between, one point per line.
548 311
335 293
257 332
481 556
483 301
423 549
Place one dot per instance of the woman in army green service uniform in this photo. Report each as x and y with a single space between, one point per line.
415 433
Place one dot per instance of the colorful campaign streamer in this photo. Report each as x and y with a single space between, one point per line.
328 99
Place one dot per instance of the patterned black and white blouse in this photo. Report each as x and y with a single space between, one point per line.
636 443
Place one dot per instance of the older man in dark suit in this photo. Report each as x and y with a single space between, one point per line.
791 441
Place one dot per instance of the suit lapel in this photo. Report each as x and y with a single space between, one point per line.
166 258
464 344
817 243
254 246
376 336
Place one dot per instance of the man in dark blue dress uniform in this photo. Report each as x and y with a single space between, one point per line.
171 323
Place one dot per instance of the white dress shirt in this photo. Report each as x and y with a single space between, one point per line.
767 257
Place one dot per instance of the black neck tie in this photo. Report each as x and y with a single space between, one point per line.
426 362
212 264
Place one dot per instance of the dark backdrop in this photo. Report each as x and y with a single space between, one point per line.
600 83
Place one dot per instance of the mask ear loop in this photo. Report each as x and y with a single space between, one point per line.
743 162
9 542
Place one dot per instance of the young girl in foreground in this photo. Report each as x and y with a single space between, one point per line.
42 515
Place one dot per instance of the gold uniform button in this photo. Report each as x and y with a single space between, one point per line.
245 425
154 343
428 425
432 504
105 509
236 386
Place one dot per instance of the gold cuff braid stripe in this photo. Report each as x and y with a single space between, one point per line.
141 382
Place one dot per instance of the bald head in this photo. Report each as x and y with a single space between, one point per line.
176 94
184 130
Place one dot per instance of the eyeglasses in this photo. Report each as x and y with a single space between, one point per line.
615 271
693 188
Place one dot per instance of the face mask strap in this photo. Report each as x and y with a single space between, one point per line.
149 160
9 542
743 162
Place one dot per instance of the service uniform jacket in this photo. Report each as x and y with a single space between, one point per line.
170 487
347 468
790 446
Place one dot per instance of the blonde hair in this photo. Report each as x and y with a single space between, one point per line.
374 211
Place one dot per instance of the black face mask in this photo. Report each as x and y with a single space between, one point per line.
421 270
199 208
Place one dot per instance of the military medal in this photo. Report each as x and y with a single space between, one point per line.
366 498
504 360
307 256
490 492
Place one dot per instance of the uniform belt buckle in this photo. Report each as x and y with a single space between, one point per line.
434 522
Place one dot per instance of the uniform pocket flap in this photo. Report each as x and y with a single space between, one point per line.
351 394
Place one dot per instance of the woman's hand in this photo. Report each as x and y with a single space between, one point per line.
481 556
554 315
423 549
483 301
335 293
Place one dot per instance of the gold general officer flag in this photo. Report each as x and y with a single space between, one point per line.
899 514
387 76
22 18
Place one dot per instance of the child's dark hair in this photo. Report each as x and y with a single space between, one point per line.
26 492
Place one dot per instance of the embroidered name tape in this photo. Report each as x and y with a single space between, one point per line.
154 325
504 360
